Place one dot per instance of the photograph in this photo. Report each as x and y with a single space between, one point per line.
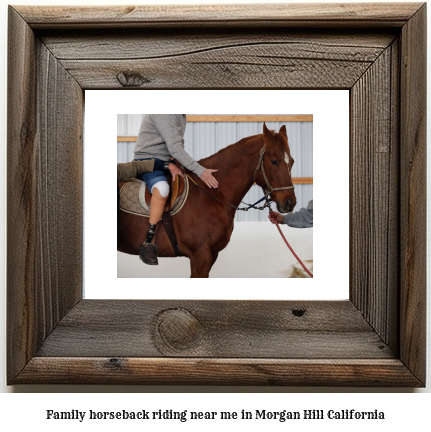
253 173
243 199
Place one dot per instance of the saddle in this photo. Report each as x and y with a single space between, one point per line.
135 198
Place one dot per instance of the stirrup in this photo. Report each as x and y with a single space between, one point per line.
148 254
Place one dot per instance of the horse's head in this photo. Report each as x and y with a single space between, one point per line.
277 163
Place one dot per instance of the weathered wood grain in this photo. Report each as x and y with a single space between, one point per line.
44 193
59 184
288 15
198 371
193 60
228 329
150 44
199 73
374 195
53 336
392 302
21 196
413 172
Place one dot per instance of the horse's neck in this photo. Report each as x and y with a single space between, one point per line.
236 166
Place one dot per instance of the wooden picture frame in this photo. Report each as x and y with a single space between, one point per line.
376 338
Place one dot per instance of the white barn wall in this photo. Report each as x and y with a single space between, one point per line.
203 139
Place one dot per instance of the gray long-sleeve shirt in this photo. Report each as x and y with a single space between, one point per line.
302 218
161 136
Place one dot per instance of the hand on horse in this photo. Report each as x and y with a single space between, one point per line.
175 171
275 217
209 179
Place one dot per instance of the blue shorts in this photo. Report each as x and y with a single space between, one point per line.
153 177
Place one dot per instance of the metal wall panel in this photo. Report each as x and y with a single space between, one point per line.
203 139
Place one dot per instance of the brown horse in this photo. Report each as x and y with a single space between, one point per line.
204 225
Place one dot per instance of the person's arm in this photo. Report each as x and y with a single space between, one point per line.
168 128
275 217
174 170
133 169
300 219
125 171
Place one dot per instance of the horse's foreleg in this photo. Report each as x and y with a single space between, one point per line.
215 256
201 263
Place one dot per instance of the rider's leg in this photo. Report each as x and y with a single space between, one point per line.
148 253
158 201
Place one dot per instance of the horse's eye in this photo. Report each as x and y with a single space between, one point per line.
274 162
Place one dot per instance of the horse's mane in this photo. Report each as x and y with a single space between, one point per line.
228 148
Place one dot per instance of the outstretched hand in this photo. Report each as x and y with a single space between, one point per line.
209 179
175 171
275 217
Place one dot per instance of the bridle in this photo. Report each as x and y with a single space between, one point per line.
269 189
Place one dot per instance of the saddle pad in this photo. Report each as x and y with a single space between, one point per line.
132 198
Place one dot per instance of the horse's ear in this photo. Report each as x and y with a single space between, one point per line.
283 130
266 133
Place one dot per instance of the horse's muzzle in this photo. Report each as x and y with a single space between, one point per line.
286 206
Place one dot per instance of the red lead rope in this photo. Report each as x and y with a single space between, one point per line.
291 250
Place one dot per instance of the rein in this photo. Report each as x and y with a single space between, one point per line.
267 204
291 250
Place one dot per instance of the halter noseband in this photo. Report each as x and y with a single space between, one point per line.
270 189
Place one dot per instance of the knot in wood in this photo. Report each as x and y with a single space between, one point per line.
115 363
131 79
178 329
298 312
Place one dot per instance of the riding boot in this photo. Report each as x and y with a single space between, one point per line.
148 252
